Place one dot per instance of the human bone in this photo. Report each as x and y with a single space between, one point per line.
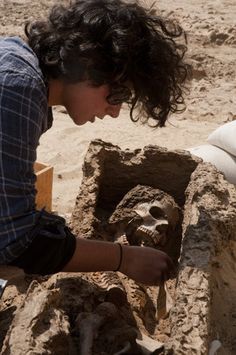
89 324
155 221
148 344
214 347
132 223
118 336
112 285
145 216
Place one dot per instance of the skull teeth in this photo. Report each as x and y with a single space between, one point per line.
150 233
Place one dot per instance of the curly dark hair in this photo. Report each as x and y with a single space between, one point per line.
118 43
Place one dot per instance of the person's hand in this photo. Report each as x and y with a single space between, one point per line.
146 265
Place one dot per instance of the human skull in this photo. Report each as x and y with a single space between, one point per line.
156 220
145 216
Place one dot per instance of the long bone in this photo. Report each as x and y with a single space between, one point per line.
89 324
148 345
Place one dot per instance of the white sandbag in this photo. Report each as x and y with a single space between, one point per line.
224 162
224 137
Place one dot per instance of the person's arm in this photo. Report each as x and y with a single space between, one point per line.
142 264
23 113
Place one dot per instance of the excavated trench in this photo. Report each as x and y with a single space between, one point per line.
204 286
106 313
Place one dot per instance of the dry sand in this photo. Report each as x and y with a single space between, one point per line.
210 26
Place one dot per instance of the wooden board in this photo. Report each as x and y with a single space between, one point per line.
44 175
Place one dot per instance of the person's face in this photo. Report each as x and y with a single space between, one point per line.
84 102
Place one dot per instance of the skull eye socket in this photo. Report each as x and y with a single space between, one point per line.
156 212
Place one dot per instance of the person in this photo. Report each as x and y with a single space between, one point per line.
91 56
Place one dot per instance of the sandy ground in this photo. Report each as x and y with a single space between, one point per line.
210 26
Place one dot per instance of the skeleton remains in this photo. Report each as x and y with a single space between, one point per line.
44 319
208 204
144 217
118 322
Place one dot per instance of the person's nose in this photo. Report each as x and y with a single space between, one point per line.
114 110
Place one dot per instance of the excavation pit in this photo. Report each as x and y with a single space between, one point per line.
106 313
206 254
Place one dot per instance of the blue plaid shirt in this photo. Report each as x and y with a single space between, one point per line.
23 118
